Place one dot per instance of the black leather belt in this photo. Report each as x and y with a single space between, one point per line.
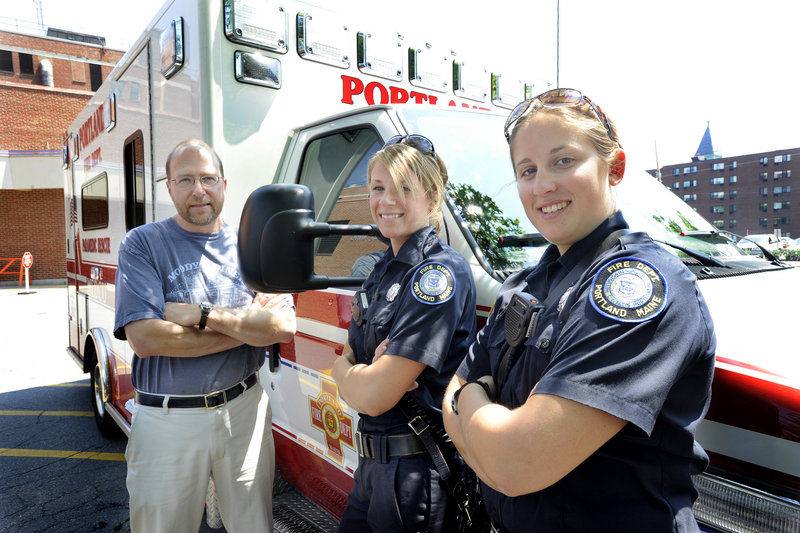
209 401
382 447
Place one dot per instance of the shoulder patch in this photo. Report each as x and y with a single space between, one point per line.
629 290
433 283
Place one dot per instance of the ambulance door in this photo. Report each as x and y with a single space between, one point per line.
331 160
73 253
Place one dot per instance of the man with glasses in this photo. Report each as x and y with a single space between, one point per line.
199 336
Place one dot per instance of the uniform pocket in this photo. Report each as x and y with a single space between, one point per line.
412 491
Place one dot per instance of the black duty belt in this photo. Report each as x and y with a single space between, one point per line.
381 447
209 401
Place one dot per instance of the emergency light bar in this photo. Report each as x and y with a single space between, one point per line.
257 69
429 70
171 47
322 38
470 82
257 23
505 92
380 56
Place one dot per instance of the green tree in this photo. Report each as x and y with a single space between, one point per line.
487 224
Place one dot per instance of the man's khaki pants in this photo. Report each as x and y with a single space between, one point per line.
172 453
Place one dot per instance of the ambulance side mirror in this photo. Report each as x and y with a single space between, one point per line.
276 241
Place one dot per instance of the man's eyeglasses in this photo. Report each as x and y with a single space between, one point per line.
421 143
186 183
556 98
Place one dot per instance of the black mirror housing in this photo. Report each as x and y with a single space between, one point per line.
276 240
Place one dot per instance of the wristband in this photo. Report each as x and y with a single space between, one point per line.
454 402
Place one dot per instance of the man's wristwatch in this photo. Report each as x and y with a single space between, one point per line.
457 393
205 309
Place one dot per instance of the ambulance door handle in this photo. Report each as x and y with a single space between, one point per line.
274 357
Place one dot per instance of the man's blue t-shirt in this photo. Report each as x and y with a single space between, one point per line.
161 262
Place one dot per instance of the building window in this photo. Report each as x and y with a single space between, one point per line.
763 191
690 170
733 165
732 223
718 166
732 195
718 181
717 209
95 76
689 183
718 223
689 197
762 222
763 176
763 207
26 64
733 179
783 158
719 195
676 185
781 221
732 208
777 206
6 61
778 174
786 189
764 161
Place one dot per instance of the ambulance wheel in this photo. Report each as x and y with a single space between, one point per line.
213 514
107 426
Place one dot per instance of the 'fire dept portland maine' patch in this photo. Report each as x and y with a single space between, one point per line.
433 283
629 290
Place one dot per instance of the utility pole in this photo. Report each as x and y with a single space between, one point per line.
39 17
558 42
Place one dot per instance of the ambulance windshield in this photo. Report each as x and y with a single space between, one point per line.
483 192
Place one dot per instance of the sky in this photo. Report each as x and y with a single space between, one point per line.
661 70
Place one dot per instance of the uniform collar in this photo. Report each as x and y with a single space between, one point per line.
587 245
412 250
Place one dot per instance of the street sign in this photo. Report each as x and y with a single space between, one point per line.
27 259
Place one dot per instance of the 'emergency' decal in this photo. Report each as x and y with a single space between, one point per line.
629 290
433 283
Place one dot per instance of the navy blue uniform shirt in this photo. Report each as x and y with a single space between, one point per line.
423 300
633 338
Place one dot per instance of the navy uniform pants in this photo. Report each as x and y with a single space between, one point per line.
401 495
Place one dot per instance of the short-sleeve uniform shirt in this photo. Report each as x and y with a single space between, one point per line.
161 262
634 338
423 300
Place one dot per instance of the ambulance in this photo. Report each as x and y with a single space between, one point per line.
295 98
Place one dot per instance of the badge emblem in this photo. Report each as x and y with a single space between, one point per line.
391 294
629 290
433 283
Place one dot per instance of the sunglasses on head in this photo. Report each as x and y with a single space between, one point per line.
556 98
421 143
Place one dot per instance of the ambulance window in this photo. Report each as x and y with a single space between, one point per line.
133 154
335 169
94 203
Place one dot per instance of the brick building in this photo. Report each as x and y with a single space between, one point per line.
743 194
44 82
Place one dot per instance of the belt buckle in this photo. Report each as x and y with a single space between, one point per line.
364 446
213 400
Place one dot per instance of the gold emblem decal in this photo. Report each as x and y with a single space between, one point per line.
328 416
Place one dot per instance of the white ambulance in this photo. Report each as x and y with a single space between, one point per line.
292 93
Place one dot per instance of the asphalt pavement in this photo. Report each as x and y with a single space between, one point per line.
57 473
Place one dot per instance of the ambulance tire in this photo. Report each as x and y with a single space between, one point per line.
213 515
107 426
